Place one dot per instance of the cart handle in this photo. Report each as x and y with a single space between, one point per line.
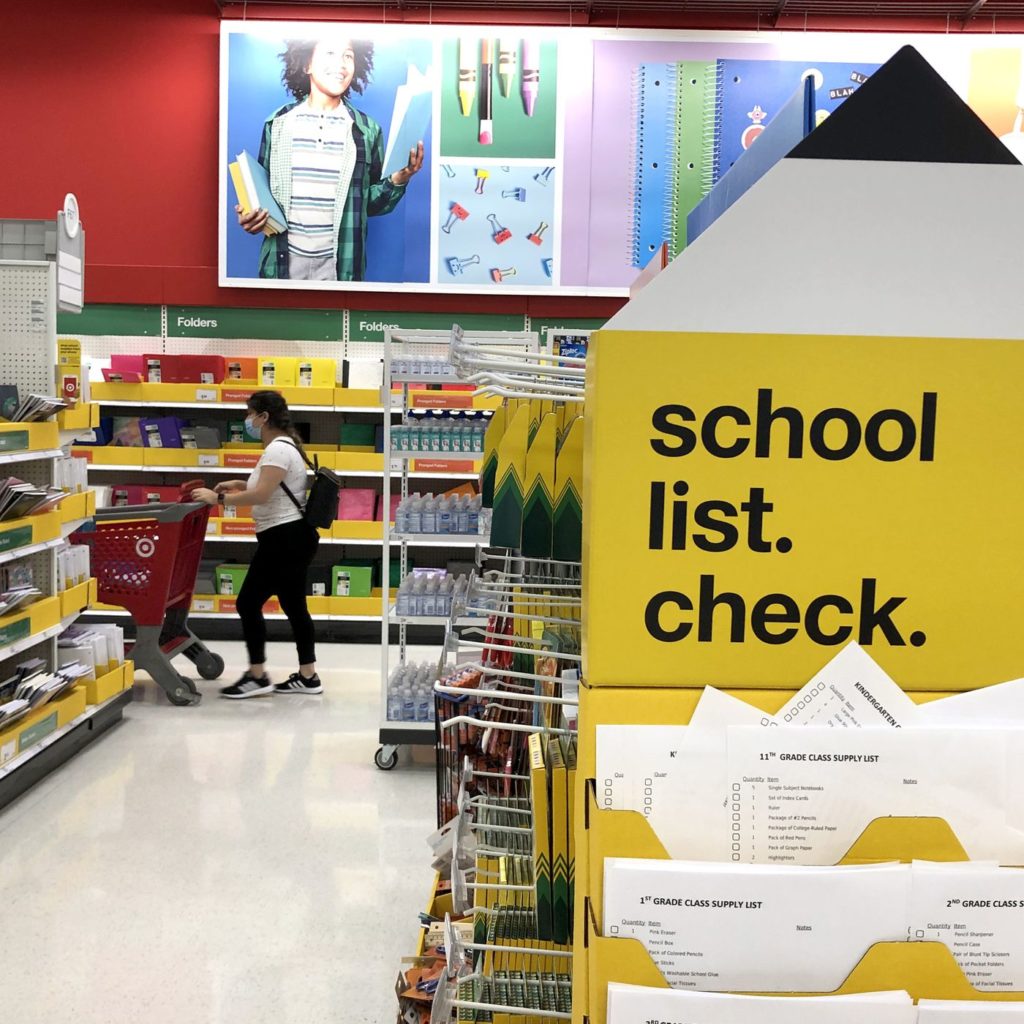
163 513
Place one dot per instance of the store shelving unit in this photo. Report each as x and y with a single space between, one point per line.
164 466
401 395
51 734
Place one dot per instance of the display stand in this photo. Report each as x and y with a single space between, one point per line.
33 746
405 391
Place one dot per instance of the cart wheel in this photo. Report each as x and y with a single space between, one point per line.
385 762
184 693
210 665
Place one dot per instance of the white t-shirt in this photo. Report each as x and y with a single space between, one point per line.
279 508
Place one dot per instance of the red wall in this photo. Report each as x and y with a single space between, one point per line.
117 100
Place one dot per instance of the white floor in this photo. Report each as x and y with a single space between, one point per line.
231 863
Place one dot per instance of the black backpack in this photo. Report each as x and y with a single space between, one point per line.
321 508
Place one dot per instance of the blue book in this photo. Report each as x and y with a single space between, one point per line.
257 185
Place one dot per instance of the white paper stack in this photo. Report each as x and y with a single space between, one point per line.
631 1004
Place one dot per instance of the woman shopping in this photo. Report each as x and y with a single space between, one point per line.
285 546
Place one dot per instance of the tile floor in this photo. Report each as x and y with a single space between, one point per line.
238 862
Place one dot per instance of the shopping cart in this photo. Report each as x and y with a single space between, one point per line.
145 559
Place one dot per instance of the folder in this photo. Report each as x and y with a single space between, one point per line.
257 190
410 119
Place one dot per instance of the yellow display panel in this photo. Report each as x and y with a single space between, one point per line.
754 502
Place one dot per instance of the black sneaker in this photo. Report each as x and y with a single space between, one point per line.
247 686
297 683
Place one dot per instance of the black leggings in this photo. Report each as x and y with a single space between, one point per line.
283 554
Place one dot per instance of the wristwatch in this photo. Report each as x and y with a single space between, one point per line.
220 498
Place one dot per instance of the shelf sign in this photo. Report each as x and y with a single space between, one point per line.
741 527
15 631
370 326
83 452
16 538
442 400
239 527
34 733
239 395
258 324
443 466
13 440
240 460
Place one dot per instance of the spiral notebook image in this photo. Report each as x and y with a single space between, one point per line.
674 108
749 93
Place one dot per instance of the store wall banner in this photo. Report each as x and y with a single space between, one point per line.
554 161
101 319
370 325
740 528
273 324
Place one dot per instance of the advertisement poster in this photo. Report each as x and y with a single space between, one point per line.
511 159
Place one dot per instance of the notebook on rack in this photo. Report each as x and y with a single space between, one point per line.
674 107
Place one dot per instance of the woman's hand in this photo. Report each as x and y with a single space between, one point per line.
254 222
229 486
205 495
412 167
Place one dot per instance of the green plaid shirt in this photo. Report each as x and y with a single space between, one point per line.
368 196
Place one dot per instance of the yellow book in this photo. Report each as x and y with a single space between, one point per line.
239 183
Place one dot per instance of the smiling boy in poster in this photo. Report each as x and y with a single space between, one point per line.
324 160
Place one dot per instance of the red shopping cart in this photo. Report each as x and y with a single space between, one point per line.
145 559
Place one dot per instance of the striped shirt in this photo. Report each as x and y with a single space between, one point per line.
322 152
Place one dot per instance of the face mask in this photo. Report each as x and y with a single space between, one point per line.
252 430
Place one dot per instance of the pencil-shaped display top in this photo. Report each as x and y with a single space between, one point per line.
530 77
506 64
486 136
468 50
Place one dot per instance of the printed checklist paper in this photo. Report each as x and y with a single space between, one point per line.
941 1011
632 1004
711 927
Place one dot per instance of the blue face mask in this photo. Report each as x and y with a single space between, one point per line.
251 430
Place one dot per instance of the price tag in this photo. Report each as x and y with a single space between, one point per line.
206 395
396 465
211 526
208 460
8 750
202 604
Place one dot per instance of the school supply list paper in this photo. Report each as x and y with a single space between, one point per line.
803 796
632 1004
708 926
941 1011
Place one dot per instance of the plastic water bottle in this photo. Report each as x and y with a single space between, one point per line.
428 523
408 706
444 516
424 702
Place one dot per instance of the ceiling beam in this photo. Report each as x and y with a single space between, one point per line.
974 10
777 13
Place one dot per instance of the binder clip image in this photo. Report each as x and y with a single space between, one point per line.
499 232
457 266
481 179
449 171
455 213
497 276
537 236
518 194
541 177
549 266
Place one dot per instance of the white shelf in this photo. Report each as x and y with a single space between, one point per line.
36 638
441 540
66 529
428 378
31 456
434 620
440 456
388 723
30 549
272 617
374 474
251 539
121 404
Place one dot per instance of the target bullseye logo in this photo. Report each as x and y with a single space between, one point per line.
144 547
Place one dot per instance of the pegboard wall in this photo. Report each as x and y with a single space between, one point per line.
28 338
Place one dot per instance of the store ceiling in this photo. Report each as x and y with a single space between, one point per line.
936 15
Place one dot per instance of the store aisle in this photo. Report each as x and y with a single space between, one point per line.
234 863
